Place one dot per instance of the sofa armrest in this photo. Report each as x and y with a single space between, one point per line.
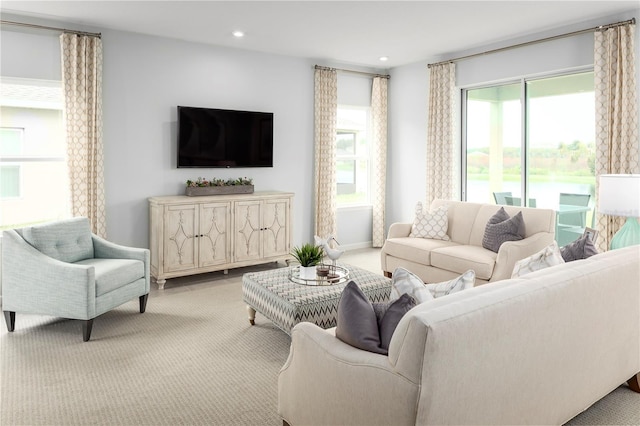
109 250
399 230
512 251
326 381
27 275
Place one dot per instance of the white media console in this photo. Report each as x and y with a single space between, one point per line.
193 235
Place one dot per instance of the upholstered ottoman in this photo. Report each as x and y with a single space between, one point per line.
286 303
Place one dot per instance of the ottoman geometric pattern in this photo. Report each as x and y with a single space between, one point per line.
286 303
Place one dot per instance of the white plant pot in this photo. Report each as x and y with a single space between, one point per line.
308 272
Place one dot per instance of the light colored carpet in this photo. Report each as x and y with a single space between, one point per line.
191 359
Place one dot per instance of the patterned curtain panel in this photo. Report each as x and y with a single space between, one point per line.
440 139
326 111
616 114
82 88
379 172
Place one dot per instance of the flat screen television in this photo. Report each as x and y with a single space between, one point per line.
224 138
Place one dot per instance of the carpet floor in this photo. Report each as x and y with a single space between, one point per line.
191 359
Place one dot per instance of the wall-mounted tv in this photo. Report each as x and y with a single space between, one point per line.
224 138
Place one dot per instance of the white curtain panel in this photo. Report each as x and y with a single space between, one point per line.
379 146
616 114
325 114
441 142
82 88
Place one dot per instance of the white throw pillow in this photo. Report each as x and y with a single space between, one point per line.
432 225
548 256
463 282
405 282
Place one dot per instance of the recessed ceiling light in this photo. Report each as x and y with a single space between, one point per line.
384 58
238 34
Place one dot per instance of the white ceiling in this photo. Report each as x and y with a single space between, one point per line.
350 32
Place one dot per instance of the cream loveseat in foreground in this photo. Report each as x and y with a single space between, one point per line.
436 260
538 349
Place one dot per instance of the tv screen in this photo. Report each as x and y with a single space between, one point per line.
224 138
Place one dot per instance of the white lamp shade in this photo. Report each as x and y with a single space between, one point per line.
619 195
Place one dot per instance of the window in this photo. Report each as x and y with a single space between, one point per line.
33 172
532 142
11 142
353 162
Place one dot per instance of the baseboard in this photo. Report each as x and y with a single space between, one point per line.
356 246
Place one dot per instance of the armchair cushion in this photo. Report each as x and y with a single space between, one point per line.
68 240
112 273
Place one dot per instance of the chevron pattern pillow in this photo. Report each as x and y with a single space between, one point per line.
548 256
430 225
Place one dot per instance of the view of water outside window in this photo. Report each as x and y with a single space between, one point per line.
352 156
559 120
33 172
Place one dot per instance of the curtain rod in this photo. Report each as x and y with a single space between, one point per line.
43 27
318 67
631 21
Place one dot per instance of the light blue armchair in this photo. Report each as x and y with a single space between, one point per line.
62 269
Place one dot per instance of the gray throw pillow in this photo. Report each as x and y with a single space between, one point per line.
356 323
578 249
501 228
393 313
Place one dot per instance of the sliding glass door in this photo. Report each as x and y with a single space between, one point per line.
532 143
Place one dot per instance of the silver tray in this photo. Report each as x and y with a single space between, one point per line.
341 276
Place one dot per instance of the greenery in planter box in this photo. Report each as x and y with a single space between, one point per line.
308 254
219 182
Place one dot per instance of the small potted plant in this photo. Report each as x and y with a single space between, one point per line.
308 255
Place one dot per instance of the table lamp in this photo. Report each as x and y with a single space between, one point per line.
619 195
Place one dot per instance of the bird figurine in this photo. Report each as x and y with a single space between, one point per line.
333 253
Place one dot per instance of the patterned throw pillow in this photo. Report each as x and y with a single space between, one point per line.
430 225
463 282
579 249
548 256
502 228
405 282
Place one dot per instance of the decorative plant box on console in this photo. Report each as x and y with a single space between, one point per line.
193 235
195 191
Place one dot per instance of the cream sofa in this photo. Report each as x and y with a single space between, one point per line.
538 349
437 260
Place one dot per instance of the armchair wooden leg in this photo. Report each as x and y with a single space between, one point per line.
143 303
10 318
86 329
634 383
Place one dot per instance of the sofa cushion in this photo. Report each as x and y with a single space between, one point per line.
112 274
417 250
581 248
432 225
390 314
66 240
463 282
460 259
406 282
501 228
356 322
548 256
